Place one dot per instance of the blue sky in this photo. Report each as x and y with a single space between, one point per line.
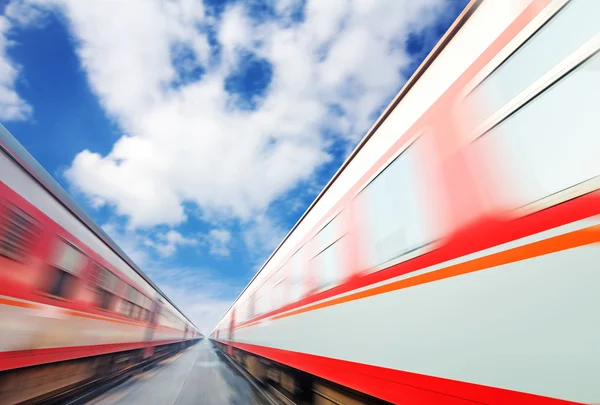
197 133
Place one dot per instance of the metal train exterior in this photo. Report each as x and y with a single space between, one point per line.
454 258
72 304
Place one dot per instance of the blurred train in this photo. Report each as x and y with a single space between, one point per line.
73 306
454 258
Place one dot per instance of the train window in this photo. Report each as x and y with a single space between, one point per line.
250 304
279 291
241 310
153 308
296 275
243 305
133 297
329 234
548 47
66 264
326 265
259 303
18 231
141 310
141 303
392 212
551 143
107 285
146 305
124 307
132 303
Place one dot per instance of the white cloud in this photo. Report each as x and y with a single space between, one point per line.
12 107
168 243
262 236
186 144
186 147
25 13
129 241
141 246
196 291
219 241
234 32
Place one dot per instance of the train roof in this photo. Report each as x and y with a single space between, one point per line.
12 147
435 52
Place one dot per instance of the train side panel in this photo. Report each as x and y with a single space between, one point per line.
70 307
466 271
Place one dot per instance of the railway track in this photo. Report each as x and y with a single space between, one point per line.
95 390
83 393
272 394
288 387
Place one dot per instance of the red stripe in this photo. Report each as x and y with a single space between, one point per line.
483 234
23 202
425 120
29 290
430 117
25 358
25 281
396 386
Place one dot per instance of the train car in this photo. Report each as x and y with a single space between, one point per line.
73 306
453 258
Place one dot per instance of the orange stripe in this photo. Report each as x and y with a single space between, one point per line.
558 243
31 305
100 318
4 301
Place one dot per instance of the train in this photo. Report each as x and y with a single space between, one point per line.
73 306
453 257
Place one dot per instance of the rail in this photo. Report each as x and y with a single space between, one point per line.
84 392
272 394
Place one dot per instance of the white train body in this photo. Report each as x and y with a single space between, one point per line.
453 258
72 305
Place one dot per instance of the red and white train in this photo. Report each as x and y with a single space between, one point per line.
454 257
72 304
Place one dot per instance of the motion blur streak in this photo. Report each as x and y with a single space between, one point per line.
453 257
73 307
451 260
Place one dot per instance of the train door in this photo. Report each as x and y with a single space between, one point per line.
230 332
152 323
